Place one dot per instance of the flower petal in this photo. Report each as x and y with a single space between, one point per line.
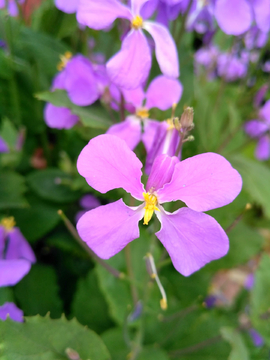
255 128
150 127
161 172
129 130
81 82
12 271
233 17
261 10
130 67
265 112
18 247
263 148
134 96
204 182
192 239
109 228
59 117
3 146
136 6
163 92
11 310
166 52
68 6
107 163
101 14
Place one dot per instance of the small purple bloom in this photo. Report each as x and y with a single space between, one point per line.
210 301
203 182
12 6
207 57
162 93
3 146
9 309
67 6
249 282
256 338
16 255
130 67
260 129
231 67
87 202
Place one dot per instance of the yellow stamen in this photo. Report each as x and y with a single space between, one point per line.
150 207
171 124
64 59
8 223
142 113
137 22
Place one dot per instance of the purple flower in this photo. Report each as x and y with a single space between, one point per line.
12 6
203 182
236 17
11 310
256 338
249 282
3 146
207 57
67 6
255 38
87 202
231 67
162 93
130 67
16 255
260 129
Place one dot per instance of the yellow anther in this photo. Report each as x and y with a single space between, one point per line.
163 304
150 207
64 59
8 223
170 124
137 22
142 113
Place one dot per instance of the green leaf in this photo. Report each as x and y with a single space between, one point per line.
6 295
152 354
260 299
239 349
12 186
53 185
91 116
114 341
36 220
255 180
46 339
9 133
37 292
89 306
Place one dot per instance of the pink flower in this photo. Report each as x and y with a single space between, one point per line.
130 67
203 182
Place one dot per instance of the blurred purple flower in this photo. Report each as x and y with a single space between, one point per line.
130 67
12 6
9 309
260 129
87 202
249 282
3 146
232 67
255 38
16 255
67 6
162 93
203 182
256 338
207 57
260 95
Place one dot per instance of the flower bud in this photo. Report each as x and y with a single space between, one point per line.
187 119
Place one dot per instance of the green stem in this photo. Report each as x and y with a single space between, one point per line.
130 272
183 25
76 236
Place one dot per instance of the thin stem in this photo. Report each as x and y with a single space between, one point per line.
196 347
122 108
133 288
183 25
239 217
76 236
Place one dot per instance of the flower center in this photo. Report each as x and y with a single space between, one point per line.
150 207
8 223
137 22
64 59
142 113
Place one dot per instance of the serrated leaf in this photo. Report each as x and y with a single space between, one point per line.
12 187
46 339
89 306
92 116
239 349
37 292
255 180
53 185
260 299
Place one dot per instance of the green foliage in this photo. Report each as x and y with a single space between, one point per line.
12 188
239 349
46 339
37 292
260 299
